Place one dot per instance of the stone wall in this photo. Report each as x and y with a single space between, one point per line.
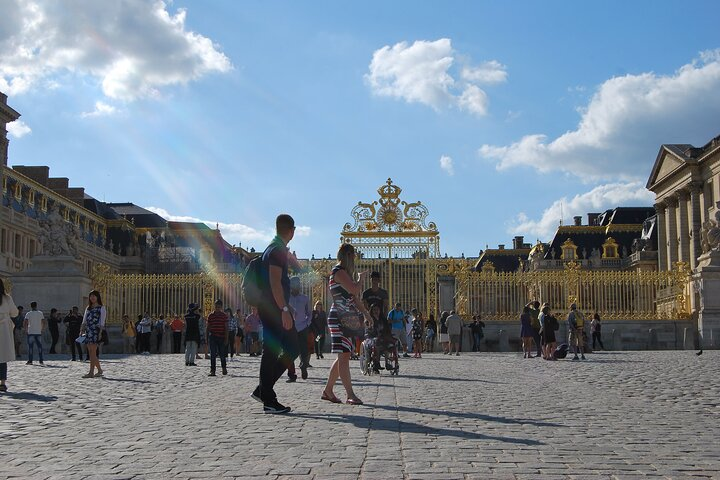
616 335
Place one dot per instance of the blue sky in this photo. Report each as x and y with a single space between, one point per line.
494 114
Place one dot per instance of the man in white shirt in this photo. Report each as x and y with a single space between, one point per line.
34 325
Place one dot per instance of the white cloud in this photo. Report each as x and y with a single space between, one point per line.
133 48
18 128
423 73
233 232
446 163
598 199
101 109
624 124
486 73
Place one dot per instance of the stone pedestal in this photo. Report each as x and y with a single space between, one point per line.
707 284
54 282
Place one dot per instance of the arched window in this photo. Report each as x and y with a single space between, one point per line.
610 248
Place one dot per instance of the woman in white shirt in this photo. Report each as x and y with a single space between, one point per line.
7 343
92 326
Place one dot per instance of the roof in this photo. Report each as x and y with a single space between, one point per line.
504 260
141 217
683 154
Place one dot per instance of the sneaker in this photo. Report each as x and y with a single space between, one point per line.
405 355
575 358
291 379
582 357
211 374
303 373
275 408
457 354
28 363
255 395
43 363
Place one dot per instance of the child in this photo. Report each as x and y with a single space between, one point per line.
417 334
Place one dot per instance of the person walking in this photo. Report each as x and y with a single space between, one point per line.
192 335
430 331
73 323
92 326
159 326
595 328
300 308
454 327
217 337
318 324
345 288
252 333
145 330
396 318
8 311
18 322
280 338
53 326
476 328
576 326
526 332
443 337
176 327
534 307
128 334
232 332
240 332
34 326
550 325
417 333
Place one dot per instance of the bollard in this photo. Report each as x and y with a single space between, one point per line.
503 342
652 339
616 339
688 338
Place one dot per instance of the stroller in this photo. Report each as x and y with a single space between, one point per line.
379 343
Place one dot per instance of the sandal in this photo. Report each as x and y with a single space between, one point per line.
328 398
354 401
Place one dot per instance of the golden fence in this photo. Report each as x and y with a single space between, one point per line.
614 295
620 295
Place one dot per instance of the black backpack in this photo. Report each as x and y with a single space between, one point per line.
252 282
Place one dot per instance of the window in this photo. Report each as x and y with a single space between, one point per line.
569 250
610 248
3 240
18 245
31 248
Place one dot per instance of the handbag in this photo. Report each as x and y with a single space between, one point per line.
352 323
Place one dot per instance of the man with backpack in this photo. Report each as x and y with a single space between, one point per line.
267 286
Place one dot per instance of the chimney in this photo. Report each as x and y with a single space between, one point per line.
578 220
592 218
518 242
501 247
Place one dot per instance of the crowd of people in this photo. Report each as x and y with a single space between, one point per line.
281 327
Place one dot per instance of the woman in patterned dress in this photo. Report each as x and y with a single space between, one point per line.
92 326
345 288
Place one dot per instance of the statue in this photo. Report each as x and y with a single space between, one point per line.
535 259
57 237
595 255
710 235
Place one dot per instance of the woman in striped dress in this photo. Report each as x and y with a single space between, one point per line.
345 288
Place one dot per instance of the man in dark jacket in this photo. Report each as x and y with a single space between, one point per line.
73 322
192 334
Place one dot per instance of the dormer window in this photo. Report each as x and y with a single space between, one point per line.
610 248
569 250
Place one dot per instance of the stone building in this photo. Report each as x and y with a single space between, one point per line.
686 183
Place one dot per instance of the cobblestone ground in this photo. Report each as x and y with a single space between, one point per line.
618 415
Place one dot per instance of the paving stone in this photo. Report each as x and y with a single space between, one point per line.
622 415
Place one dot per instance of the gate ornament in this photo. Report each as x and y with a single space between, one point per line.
389 214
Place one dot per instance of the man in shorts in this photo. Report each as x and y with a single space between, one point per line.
576 325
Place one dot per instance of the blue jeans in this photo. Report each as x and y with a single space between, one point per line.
217 347
31 341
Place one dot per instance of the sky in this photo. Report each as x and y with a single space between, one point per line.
501 117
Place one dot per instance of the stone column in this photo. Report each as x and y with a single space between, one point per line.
683 227
695 223
671 232
661 236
